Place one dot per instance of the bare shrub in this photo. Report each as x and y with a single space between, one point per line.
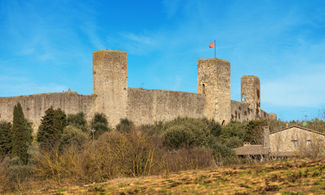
141 153
4 174
14 175
104 159
59 167
183 159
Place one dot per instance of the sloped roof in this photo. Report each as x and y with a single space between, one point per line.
299 127
251 150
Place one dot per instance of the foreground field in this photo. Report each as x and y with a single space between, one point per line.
282 177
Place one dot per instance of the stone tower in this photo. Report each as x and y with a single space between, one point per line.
110 82
213 78
251 94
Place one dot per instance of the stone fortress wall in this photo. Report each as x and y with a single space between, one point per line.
112 96
148 106
34 106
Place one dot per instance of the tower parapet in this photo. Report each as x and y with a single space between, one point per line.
110 82
213 78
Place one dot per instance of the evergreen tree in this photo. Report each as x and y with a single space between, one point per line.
51 129
5 138
21 135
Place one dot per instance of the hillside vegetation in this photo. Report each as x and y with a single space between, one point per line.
282 177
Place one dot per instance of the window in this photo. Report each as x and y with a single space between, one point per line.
203 88
308 142
258 93
243 98
294 143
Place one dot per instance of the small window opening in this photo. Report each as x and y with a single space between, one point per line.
294 143
308 142
203 88
258 93
243 98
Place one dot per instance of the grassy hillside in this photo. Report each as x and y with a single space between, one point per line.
282 177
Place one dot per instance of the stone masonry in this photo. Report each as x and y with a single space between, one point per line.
112 96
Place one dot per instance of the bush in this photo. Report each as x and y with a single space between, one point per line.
60 168
215 128
78 120
14 175
182 159
72 136
177 137
186 132
125 125
99 124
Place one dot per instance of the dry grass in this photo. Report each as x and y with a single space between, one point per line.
278 177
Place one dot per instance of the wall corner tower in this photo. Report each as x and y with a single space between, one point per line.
110 82
213 77
251 93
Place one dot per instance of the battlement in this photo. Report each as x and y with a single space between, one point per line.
110 51
212 59
250 77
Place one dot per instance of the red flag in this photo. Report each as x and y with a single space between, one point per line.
211 45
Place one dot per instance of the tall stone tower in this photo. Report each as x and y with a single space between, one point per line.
213 79
251 93
110 82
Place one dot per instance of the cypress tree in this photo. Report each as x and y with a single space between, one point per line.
5 138
21 135
51 129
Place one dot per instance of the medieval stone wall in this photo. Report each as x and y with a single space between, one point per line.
34 106
241 111
112 96
148 106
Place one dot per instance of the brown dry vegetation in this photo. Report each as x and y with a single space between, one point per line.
278 177
154 159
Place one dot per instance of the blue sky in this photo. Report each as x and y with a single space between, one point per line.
46 46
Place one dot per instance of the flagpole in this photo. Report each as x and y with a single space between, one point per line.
215 52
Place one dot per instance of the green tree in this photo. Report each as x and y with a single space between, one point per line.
72 136
5 138
233 134
255 132
125 125
99 124
21 135
186 132
78 120
51 129
215 128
